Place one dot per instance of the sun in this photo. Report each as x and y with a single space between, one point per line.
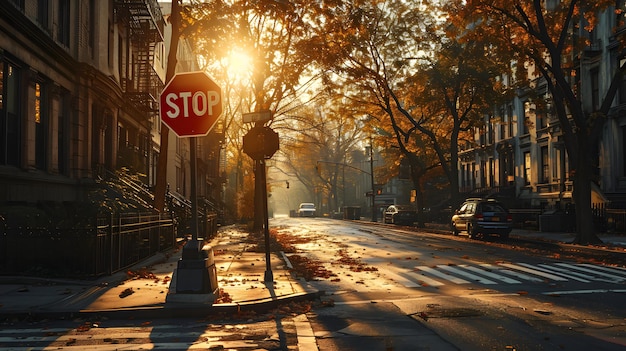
239 64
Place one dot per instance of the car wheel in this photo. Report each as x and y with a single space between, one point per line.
455 230
471 231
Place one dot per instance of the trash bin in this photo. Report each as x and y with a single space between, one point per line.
352 212
552 221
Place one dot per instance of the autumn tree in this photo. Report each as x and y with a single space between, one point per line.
393 57
318 145
544 35
270 33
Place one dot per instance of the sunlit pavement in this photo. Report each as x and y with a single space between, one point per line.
149 287
148 290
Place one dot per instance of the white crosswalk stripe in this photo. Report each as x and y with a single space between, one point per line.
516 274
468 275
529 269
425 280
443 275
491 274
512 273
584 278
596 275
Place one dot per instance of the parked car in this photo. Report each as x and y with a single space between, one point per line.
482 216
306 209
400 214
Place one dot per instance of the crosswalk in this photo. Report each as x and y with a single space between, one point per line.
512 273
90 336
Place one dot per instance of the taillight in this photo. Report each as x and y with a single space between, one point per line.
479 216
509 218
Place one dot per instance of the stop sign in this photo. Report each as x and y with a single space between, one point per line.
190 104
260 143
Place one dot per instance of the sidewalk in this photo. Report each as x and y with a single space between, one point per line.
609 240
150 288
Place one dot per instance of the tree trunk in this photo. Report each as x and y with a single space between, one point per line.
161 171
585 229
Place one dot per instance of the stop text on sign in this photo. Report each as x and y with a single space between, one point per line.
201 103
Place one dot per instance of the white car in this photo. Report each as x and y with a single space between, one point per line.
306 209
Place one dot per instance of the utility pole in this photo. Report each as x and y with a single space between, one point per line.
374 214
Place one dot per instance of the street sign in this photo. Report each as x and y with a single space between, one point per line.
190 104
260 143
260 116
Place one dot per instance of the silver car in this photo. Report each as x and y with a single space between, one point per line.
306 209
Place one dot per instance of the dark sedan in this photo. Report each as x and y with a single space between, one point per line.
400 214
482 216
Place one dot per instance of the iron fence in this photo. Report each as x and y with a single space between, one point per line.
610 220
122 240
107 245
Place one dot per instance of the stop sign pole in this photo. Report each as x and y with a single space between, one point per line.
190 105
260 143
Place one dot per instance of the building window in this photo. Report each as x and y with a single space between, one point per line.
41 127
474 176
62 132
545 165
542 114
527 168
63 25
491 131
483 174
622 90
502 127
42 13
10 126
92 27
624 151
19 4
620 13
529 117
492 167
595 89
509 114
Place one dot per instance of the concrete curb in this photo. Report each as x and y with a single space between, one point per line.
173 310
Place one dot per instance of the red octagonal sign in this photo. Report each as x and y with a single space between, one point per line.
190 104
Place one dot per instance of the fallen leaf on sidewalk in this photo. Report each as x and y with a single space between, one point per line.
126 292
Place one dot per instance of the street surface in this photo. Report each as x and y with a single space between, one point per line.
388 288
477 295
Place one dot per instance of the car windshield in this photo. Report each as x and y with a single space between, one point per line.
307 206
493 208
405 208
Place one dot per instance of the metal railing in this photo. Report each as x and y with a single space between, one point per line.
107 245
125 239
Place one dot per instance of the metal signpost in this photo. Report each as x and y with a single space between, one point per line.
260 143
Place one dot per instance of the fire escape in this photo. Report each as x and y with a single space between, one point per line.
141 84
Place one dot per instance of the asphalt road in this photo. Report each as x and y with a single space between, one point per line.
389 288
477 295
